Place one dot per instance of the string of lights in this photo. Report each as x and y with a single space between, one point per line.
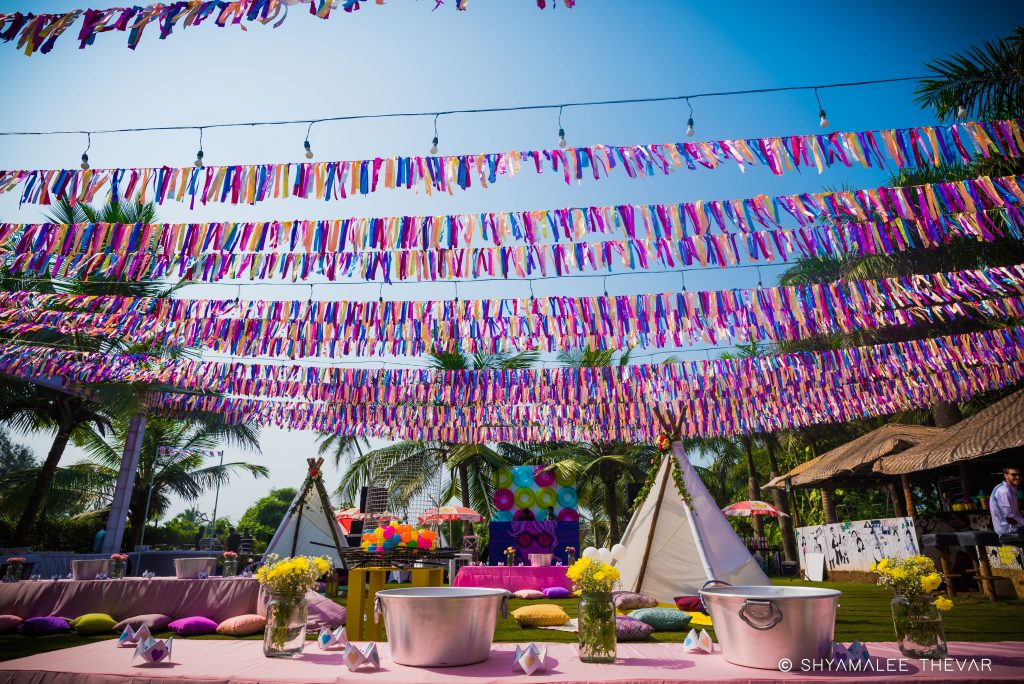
560 106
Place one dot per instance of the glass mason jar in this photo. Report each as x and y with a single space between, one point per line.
510 559
918 624
230 567
285 634
14 570
117 568
596 628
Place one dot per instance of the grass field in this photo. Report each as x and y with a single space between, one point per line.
863 614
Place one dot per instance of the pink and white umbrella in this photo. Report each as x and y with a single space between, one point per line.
449 514
745 509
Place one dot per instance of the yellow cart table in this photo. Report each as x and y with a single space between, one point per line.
363 585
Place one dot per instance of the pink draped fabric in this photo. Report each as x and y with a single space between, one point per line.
230 662
215 598
512 579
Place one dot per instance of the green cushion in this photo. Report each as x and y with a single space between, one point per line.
663 619
93 623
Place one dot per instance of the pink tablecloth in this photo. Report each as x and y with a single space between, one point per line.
229 662
513 579
216 598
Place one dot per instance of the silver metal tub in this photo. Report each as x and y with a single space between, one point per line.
761 626
440 626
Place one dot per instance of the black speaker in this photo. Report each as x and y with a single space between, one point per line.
632 491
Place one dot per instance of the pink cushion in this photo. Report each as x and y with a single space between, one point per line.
691 604
9 623
192 626
40 626
528 594
155 621
242 625
557 592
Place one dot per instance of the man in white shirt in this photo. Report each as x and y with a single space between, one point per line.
1006 517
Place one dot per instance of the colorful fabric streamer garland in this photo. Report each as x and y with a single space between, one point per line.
59 258
39 32
335 328
718 397
727 378
667 235
247 184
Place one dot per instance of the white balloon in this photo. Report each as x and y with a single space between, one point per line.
618 552
604 555
590 552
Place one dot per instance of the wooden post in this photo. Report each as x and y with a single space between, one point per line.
828 506
654 524
125 484
966 480
897 500
908 496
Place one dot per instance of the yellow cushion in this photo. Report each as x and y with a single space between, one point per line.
93 623
699 619
242 625
540 615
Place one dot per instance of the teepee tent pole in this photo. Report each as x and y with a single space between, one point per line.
654 525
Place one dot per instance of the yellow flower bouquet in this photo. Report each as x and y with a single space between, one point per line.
591 576
915 616
288 580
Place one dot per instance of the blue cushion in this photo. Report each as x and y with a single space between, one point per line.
41 626
557 592
663 619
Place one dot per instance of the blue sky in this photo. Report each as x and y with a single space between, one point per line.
403 57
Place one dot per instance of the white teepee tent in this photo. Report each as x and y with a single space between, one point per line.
673 548
309 527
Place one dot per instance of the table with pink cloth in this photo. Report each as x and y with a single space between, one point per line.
217 598
237 661
512 578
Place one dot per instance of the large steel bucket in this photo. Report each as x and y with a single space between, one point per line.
440 626
761 626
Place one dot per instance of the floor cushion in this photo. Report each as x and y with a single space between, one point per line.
93 623
528 594
9 623
192 626
663 619
41 626
689 603
242 625
557 592
629 600
540 615
631 629
155 621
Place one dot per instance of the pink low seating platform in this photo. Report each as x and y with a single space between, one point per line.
512 579
224 662
216 598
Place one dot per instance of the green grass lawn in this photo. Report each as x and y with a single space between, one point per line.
863 614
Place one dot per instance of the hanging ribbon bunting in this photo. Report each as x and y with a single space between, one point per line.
666 235
39 32
247 184
336 328
727 396
838 369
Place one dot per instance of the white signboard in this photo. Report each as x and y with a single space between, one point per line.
856 545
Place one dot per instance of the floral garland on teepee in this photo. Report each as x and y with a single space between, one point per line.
664 446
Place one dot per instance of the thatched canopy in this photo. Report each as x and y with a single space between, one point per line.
780 481
996 428
852 460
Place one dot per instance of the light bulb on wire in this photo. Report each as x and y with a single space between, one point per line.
689 127
961 111
85 155
823 121
561 137
198 163
433 146
309 150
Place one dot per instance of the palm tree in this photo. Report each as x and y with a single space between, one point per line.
409 467
986 80
611 463
73 413
340 447
90 484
